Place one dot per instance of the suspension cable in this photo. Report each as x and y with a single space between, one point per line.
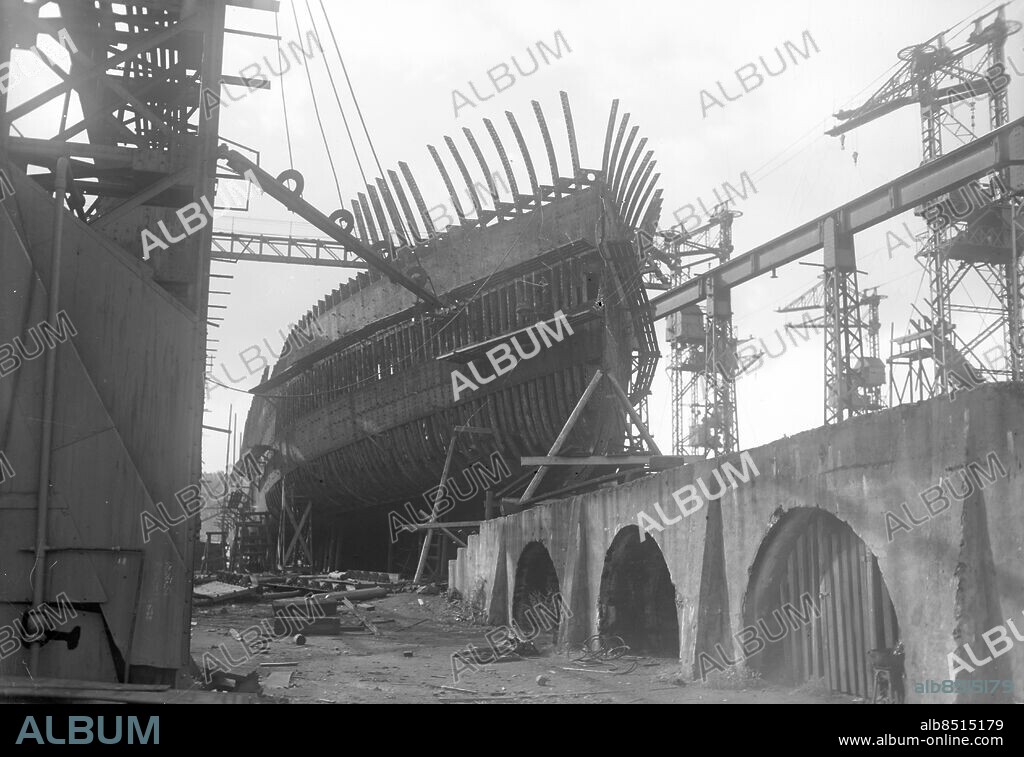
337 99
284 104
355 100
316 109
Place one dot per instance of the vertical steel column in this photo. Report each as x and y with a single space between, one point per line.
6 47
870 300
843 339
720 408
678 383
935 247
998 103
49 390
1015 280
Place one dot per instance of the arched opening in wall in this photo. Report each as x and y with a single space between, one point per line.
816 606
637 601
536 600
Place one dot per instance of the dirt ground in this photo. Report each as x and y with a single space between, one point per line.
358 667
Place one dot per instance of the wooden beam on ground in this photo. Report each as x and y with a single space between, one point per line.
362 618
655 462
67 689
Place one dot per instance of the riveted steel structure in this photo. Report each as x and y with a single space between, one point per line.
100 151
971 229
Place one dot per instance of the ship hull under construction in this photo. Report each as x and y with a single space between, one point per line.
359 420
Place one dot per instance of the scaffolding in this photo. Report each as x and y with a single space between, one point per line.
702 347
864 378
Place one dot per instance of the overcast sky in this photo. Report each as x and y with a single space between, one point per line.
405 58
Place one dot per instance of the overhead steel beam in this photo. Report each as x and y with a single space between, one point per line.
270 248
999 149
260 5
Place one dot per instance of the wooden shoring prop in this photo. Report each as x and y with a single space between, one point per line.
574 416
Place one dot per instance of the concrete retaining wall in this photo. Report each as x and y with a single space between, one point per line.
955 576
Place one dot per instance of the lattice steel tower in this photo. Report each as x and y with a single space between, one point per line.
701 364
971 236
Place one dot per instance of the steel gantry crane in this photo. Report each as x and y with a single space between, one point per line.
867 375
971 231
1001 151
702 346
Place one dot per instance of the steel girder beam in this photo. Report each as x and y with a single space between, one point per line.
269 248
937 76
1003 148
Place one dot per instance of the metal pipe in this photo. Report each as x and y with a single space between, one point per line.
49 387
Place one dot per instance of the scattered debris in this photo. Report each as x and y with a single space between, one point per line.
530 696
365 621
543 680
351 628
673 677
589 670
272 596
452 688
283 607
299 639
279 679
329 626
220 680
407 653
216 592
